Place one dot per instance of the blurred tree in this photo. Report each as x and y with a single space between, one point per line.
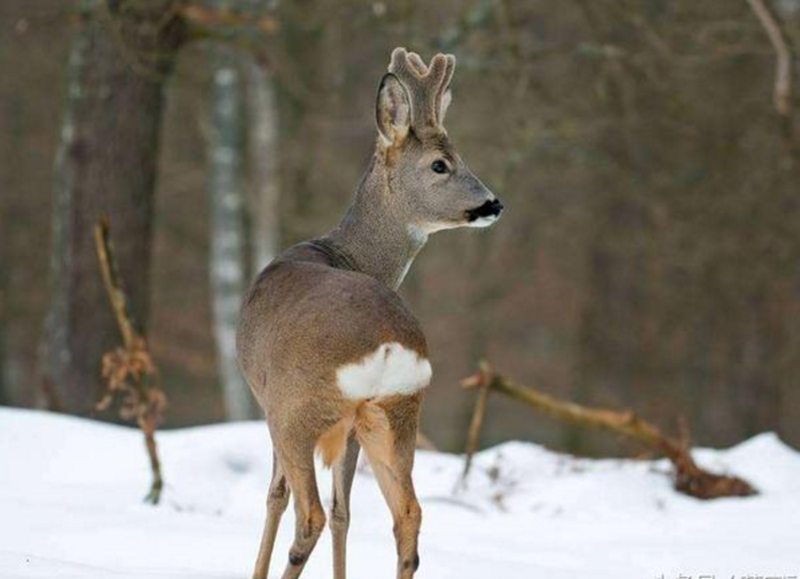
648 257
263 157
243 132
226 153
121 58
302 55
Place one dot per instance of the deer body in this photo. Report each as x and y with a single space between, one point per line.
332 354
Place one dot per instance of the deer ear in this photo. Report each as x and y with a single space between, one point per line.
392 110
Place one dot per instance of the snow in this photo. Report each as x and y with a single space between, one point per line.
71 490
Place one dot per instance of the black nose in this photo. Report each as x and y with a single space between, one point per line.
491 208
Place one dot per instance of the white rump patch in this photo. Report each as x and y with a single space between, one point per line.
391 369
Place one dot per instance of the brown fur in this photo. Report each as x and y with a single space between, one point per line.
370 424
332 301
332 443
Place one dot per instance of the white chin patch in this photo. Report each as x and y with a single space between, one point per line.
428 228
483 221
390 369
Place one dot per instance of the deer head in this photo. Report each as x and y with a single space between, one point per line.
430 186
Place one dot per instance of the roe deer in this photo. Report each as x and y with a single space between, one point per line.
332 354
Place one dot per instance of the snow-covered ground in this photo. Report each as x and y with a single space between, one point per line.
71 490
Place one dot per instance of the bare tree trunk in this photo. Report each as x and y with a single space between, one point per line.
263 148
226 151
121 57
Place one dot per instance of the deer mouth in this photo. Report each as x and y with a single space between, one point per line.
486 214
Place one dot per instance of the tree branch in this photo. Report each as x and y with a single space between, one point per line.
782 91
207 20
783 56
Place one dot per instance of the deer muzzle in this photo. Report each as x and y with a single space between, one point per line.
492 208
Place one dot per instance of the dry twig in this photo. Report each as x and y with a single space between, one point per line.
689 478
129 370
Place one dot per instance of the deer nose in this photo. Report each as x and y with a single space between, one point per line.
491 208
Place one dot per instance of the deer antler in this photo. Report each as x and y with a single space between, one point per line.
427 86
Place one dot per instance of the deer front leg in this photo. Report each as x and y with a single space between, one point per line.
387 431
343 474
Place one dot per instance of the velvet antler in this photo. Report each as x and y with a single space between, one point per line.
427 86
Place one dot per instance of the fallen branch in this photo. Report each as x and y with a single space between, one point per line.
689 478
129 370
475 426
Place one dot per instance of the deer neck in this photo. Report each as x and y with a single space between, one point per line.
373 237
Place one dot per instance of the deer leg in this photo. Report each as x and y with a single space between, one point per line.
277 500
309 515
343 475
388 436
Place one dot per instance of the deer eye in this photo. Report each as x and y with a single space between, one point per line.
439 166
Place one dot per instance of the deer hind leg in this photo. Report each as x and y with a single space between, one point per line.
343 473
387 431
309 515
277 500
